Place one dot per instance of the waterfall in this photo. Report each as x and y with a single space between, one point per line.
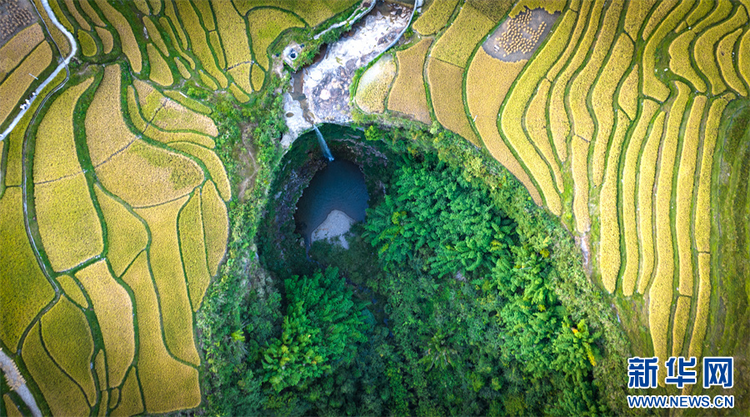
323 144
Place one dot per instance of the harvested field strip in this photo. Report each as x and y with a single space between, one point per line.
645 208
408 93
14 86
131 402
233 34
145 175
215 226
435 17
106 132
199 41
628 212
535 122
628 97
661 292
88 45
82 22
602 98
168 385
679 327
610 251
114 312
583 124
193 248
108 42
515 103
155 35
456 44
446 86
374 84
703 51
23 287
126 235
702 222
662 10
679 60
700 320
68 222
485 70
160 72
684 194
559 122
127 38
68 339
62 395
169 277
720 11
55 154
725 58
72 290
653 86
265 26
213 165
579 151
19 47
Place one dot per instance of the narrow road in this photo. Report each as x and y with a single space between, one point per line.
64 64
11 374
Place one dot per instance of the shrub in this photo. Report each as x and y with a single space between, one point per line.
55 154
159 72
68 340
609 229
106 132
725 58
127 38
193 248
602 98
435 16
680 63
145 175
24 289
408 94
68 222
446 87
684 194
372 89
212 163
126 236
114 313
265 26
456 45
579 151
19 47
167 384
628 97
169 278
629 172
72 290
61 394
215 226
14 87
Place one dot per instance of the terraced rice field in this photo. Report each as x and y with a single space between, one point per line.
603 132
127 200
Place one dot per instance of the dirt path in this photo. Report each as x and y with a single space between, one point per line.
14 378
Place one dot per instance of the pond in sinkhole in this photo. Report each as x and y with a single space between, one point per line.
339 186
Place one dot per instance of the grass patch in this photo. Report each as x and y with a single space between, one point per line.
446 86
166 265
127 38
265 26
144 175
408 93
68 222
14 87
126 236
456 45
114 313
215 226
23 287
435 16
62 395
167 384
68 339
193 248
213 164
